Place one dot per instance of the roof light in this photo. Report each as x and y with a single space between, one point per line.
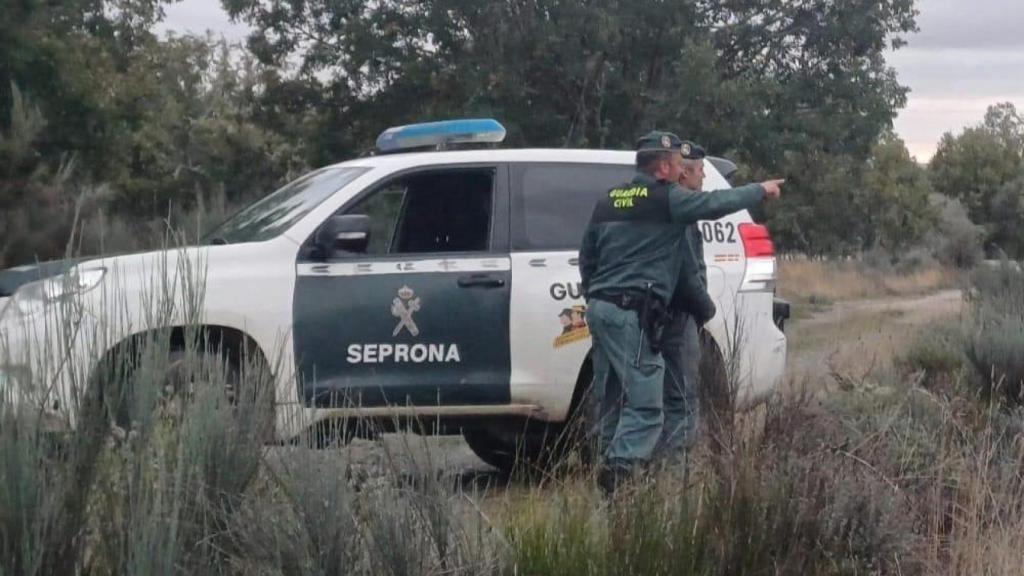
440 135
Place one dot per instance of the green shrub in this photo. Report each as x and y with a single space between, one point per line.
996 351
995 341
956 241
936 352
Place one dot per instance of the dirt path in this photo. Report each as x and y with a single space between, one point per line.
911 309
861 335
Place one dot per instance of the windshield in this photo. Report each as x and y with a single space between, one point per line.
276 213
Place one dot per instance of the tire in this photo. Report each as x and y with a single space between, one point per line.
717 404
249 397
543 448
491 449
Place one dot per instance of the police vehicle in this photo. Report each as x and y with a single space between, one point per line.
419 281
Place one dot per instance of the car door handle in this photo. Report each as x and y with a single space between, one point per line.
481 281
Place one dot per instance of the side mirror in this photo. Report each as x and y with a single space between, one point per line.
346 233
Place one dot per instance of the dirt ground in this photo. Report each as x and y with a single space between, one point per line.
857 336
851 337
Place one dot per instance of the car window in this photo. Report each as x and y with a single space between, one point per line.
383 208
276 213
552 203
435 212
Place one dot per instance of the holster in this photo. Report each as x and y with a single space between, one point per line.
654 315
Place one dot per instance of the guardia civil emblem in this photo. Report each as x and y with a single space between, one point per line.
686 150
403 307
666 142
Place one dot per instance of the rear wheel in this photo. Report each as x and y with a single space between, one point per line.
717 398
541 446
541 449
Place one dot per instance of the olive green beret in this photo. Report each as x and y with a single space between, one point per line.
658 141
691 151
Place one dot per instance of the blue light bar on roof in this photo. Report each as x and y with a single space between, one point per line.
441 134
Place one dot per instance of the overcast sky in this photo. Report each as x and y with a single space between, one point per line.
968 55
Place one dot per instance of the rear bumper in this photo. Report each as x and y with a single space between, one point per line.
747 327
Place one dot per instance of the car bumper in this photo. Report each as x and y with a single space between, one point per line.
780 312
750 330
42 357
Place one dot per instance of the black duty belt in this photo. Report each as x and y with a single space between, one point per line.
625 299
650 310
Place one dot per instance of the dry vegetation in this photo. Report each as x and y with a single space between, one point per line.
914 468
823 282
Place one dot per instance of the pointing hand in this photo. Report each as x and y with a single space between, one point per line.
772 188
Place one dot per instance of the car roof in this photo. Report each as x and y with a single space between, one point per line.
560 155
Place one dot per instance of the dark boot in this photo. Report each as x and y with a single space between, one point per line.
614 476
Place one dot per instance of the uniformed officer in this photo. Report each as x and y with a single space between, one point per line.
690 308
630 261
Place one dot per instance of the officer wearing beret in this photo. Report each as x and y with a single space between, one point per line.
690 308
630 262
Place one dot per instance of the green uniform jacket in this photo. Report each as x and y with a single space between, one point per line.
691 293
634 237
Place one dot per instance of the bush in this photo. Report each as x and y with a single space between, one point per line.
995 344
956 241
996 352
936 352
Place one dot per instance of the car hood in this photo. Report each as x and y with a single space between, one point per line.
14 278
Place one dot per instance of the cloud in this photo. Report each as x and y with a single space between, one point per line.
199 17
949 72
966 57
974 24
923 122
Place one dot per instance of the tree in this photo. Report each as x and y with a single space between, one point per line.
982 168
895 197
66 57
36 206
773 83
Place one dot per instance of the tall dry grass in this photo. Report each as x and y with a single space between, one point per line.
162 468
165 472
827 281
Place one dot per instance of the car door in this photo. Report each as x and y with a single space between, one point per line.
420 314
551 205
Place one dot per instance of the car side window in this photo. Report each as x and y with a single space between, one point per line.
552 203
434 212
383 208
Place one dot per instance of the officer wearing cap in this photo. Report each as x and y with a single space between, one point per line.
690 308
630 262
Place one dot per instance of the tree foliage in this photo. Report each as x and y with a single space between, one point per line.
983 168
99 115
797 88
895 198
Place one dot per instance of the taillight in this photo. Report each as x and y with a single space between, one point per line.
757 242
760 253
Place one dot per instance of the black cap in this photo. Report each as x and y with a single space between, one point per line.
691 151
658 141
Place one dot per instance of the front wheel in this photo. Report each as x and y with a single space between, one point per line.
141 387
717 395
